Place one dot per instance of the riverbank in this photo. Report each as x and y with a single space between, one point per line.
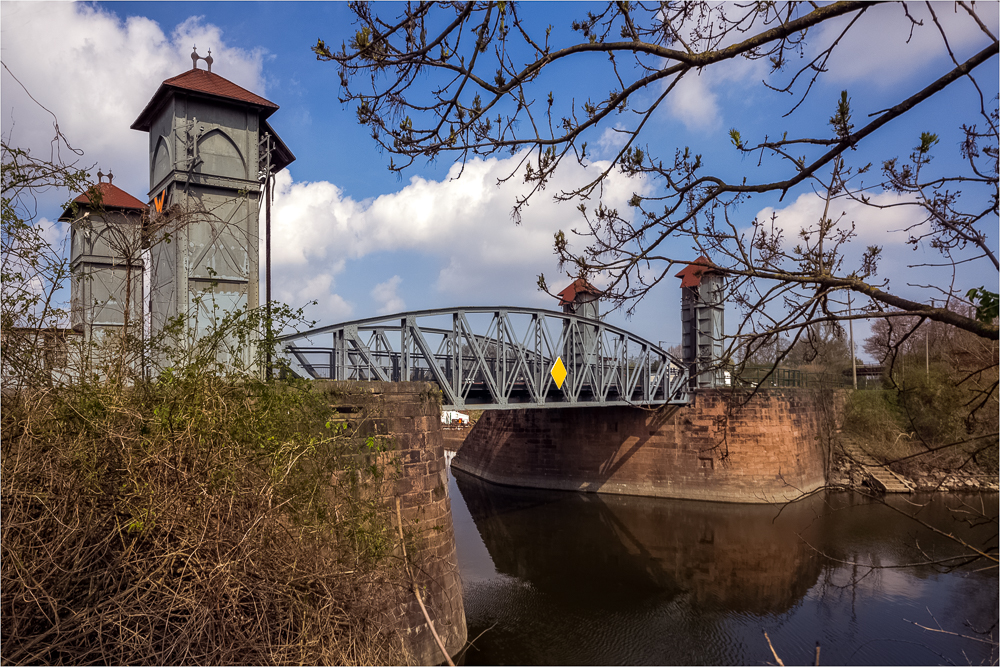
929 473
208 520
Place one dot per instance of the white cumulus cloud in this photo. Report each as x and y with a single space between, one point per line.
883 222
460 227
693 103
96 71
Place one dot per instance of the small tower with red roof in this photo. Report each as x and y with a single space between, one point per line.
211 151
580 298
106 264
702 322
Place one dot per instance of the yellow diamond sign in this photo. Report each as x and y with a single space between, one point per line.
558 372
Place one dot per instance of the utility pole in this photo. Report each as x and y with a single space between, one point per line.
267 253
927 345
850 328
927 352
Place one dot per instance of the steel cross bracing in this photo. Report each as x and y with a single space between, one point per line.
495 358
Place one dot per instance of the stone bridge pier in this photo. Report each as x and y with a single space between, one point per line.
408 416
721 447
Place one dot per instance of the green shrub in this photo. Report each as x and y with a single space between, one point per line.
933 414
933 405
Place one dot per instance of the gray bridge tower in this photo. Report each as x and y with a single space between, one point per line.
105 260
582 299
702 322
210 152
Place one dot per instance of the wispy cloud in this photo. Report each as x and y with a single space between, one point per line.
894 48
387 298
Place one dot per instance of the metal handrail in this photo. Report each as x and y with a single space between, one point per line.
787 378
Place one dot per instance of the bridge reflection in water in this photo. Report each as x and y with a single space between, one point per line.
586 565
607 549
570 578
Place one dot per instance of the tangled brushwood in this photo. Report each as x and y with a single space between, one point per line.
161 502
190 520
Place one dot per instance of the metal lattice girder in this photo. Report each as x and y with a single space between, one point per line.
495 358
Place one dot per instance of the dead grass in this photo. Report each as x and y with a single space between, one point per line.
190 523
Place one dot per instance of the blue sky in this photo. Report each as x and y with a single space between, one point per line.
362 241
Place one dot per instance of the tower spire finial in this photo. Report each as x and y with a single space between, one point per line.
195 58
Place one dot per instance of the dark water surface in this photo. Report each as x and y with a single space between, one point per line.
555 577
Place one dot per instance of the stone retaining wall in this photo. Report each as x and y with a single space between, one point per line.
775 447
406 416
455 436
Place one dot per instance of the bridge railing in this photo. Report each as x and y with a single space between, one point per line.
788 378
497 357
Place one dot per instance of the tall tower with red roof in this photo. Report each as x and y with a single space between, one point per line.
580 298
583 299
210 151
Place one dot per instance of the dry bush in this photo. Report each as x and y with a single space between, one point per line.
186 519
873 420
191 520
925 424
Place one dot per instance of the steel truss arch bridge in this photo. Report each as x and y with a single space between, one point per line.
495 358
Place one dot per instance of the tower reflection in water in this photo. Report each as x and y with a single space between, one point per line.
628 579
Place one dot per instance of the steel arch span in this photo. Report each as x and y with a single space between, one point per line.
495 358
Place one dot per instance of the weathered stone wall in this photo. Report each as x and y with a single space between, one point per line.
406 416
773 448
454 437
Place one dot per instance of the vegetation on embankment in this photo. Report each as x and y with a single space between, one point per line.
933 414
936 432
188 520
161 503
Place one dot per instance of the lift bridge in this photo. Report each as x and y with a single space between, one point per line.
496 358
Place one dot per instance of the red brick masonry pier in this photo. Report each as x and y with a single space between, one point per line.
773 448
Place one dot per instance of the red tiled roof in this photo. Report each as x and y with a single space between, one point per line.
578 286
112 196
213 84
691 274
202 81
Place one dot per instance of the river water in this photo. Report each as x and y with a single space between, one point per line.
553 577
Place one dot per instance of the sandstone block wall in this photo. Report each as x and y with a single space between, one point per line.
406 417
454 437
773 448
